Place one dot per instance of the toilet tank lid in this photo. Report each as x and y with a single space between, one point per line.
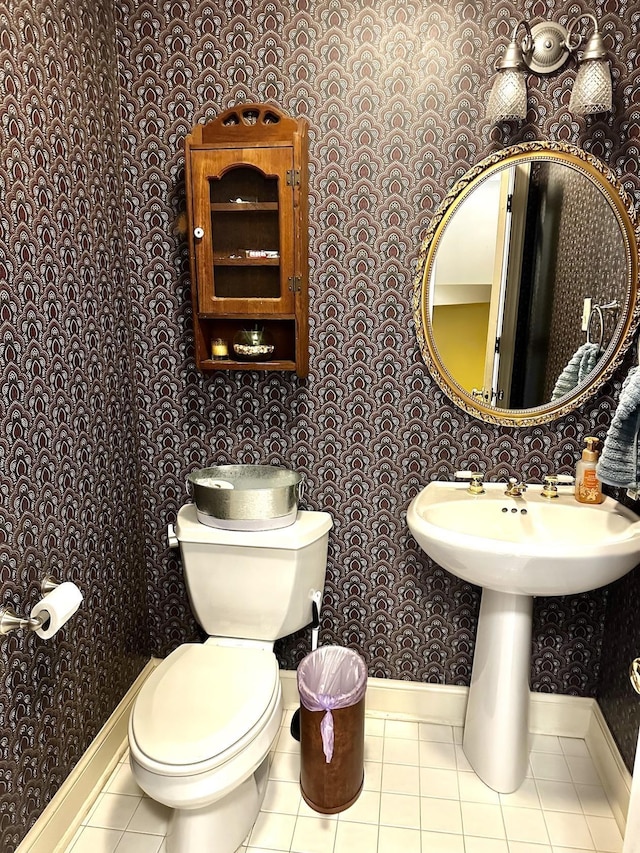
308 527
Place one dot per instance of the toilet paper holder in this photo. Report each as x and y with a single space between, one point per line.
9 619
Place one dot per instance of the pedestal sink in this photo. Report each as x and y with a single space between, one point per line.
516 548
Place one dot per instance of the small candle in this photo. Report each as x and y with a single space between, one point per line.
219 348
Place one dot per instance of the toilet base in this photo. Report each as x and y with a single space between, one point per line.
222 826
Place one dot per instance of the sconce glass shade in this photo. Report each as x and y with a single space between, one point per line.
592 90
508 97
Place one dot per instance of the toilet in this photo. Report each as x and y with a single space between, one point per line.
204 722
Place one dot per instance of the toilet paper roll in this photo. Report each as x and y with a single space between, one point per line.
56 608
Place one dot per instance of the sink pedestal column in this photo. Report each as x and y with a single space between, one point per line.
496 730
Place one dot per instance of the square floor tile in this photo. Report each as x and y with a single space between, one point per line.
437 754
281 797
313 835
574 746
568 830
374 726
605 833
544 743
366 809
526 847
482 820
372 775
485 845
525 797
403 729
356 837
399 810
400 779
373 747
400 751
439 783
136 842
435 732
273 831
150 817
583 770
524 825
558 796
440 815
91 839
594 800
473 790
122 782
285 766
393 840
547 765
442 842
113 811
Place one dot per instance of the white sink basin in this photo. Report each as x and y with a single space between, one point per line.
528 545
516 548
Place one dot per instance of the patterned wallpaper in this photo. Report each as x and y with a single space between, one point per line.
104 412
591 263
68 448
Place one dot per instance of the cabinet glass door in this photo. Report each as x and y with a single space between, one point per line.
243 230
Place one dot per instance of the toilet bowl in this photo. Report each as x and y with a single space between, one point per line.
204 722
199 738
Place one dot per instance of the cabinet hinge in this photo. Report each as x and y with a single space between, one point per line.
295 283
293 177
510 203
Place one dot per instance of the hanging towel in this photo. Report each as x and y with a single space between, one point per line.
579 367
618 463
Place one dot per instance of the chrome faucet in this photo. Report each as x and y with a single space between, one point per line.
515 488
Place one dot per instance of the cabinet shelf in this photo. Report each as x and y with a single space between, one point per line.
243 207
222 261
232 364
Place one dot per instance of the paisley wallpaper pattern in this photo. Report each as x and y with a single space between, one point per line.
68 447
104 410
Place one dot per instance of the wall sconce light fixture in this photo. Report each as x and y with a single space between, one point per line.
544 49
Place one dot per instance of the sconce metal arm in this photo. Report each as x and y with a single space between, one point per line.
514 55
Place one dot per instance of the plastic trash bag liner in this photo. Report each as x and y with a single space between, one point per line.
331 677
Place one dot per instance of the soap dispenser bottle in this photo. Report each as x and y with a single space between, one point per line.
588 486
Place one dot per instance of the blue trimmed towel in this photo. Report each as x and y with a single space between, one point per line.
618 463
579 367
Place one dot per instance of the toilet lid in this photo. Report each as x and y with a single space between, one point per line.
201 700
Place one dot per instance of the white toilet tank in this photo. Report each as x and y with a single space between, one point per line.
255 585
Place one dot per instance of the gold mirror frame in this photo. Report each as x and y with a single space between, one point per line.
623 207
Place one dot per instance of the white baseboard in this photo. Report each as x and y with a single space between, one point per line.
616 779
550 714
565 716
60 820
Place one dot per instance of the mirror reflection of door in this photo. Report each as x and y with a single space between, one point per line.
464 271
505 289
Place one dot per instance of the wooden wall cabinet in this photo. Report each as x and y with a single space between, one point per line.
247 203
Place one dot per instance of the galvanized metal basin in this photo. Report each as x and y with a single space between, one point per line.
246 497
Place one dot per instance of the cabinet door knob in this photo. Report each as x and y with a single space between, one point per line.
198 233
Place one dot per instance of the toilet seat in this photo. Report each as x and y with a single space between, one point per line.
202 705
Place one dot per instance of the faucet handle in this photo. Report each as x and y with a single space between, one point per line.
515 487
550 483
476 481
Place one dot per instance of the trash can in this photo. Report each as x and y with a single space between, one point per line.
332 682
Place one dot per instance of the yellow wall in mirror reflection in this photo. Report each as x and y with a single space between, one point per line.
460 334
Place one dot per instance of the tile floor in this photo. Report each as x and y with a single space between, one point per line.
420 796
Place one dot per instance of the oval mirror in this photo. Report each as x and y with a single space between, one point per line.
525 298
